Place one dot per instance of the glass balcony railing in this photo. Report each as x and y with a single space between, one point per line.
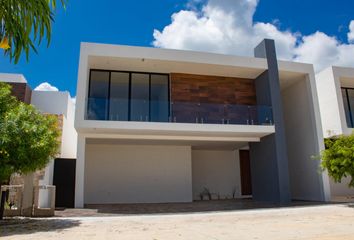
178 112
209 113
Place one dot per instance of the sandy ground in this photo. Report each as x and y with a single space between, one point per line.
309 222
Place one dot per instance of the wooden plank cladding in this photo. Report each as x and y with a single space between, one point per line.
212 89
21 91
212 99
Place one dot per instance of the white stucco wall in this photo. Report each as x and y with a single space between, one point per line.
341 189
51 101
304 140
329 83
331 103
59 103
80 171
69 134
137 174
218 171
44 196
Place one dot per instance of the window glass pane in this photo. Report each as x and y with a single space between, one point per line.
351 102
119 96
159 98
346 108
98 96
139 105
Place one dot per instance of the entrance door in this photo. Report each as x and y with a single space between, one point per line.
64 180
245 168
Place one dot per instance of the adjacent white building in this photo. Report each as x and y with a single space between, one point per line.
336 98
58 103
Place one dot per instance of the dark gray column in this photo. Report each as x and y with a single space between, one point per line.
269 161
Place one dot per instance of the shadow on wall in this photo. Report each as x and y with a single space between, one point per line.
16 226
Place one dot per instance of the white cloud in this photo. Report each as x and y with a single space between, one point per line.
317 48
351 32
227 26
46 87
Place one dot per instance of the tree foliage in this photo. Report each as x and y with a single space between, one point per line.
24 24
28 139
338 158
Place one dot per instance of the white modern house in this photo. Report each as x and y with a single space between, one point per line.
160 125
335 87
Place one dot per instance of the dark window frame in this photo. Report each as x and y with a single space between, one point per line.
89 93
130 90
351 123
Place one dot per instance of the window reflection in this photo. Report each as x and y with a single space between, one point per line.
139 102
98 96
348 103
119 96
127 96
159 98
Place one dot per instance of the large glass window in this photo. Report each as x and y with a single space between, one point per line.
348 102
98 95
139 101
119 97
128 96
159 103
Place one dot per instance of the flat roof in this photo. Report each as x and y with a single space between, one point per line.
151 53
12 78
149 59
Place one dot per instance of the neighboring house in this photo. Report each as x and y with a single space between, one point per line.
59 104
159 125
58 171
20 89
335 87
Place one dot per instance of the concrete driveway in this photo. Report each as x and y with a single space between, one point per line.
305 222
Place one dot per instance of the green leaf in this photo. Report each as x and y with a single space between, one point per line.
28 138
338 158
26 23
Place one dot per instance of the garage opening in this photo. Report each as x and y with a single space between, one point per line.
124 173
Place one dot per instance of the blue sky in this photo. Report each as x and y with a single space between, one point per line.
133 23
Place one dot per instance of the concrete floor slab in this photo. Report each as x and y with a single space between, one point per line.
333 221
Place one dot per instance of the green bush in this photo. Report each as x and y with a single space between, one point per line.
338 158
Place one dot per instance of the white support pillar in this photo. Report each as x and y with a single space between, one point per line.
27 201
319 137
80 172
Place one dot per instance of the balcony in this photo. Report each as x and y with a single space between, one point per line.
177 112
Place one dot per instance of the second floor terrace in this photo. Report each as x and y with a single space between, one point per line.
184 97
156 97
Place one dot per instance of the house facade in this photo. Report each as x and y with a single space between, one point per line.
159 125
336 100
